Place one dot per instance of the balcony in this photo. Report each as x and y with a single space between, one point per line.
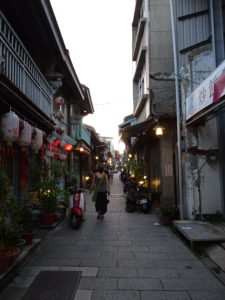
19 68
138 37
136 13
140 65
84 135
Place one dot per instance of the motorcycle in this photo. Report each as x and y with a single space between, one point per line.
77 207
132 194
143 200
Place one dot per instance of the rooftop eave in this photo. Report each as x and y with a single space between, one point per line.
60 43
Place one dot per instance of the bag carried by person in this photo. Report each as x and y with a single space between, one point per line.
94 196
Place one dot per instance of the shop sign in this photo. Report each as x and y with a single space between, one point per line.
207 93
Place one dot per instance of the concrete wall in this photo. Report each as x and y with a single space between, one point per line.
202 179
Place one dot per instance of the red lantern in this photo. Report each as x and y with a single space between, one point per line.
59 100
56 142
68 147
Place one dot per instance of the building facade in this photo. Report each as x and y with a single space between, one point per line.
199 32
40 93
153 100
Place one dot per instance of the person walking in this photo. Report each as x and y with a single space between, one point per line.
100 184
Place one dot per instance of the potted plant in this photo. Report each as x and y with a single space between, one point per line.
49 191
27 224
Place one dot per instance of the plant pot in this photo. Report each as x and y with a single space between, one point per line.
28 236
48 219
166 220
4 264
11 253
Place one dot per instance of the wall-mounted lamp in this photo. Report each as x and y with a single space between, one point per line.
96 157
158 130
129 155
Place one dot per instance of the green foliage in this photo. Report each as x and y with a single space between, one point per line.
4 185
10 214
48 189
72 181
47 194
26 218
138 171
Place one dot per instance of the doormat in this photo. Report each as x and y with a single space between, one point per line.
54 285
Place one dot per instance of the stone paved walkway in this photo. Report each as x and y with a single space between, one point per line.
127 256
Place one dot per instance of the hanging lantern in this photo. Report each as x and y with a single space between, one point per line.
56 142
37 141
62 144
10 127
25 135
59 100
59 115
68 147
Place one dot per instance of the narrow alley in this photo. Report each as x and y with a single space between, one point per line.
125 256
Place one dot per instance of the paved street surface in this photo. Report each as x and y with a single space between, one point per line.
126 256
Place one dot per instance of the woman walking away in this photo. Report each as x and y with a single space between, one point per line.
100 183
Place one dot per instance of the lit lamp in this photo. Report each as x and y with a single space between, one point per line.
158 130
129 155
96 157
68 147
81 149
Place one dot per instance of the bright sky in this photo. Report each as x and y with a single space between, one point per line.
97 34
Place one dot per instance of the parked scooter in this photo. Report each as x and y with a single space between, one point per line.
132 193
143 200
77 207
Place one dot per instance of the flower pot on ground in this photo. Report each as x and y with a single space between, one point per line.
4 264
48 219
12 253
28 236
167 214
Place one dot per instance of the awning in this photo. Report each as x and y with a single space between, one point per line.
139 128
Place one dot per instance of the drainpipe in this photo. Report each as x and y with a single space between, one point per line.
213 32
177 110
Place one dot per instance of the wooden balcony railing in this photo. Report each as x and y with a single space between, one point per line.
20 69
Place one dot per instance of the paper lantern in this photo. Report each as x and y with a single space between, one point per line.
59 100
10 127
59 115
68 147
37 141
25 135
62 144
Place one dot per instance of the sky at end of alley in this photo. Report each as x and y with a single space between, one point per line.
98 36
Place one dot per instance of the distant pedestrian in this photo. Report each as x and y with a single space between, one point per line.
110 174
100 184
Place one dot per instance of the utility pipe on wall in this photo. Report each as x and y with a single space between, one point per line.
177 110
